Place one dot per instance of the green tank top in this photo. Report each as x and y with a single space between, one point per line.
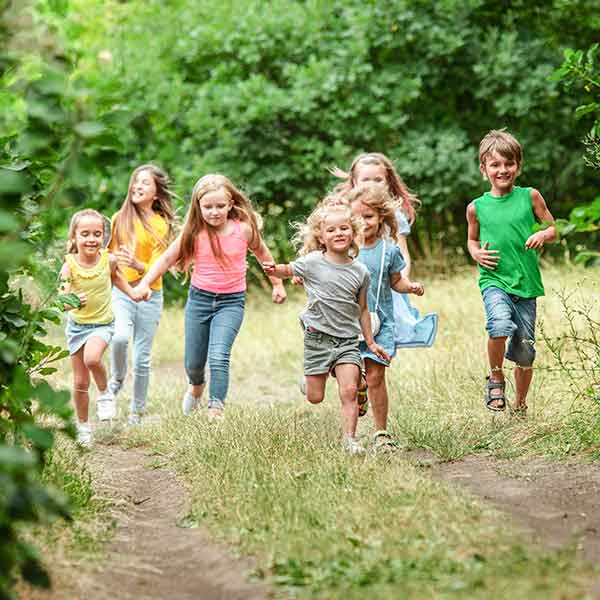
506 222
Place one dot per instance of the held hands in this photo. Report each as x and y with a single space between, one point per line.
142 292
297 280
487 258
376 349
269 267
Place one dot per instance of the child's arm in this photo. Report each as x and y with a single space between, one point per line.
365 325
480 254
158 268
283 270
403 245
402 284
127 257
263 255
64 287
538 239
119 281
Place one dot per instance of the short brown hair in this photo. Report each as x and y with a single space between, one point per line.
502 142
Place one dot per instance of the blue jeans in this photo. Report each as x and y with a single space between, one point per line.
513 317
140 320
212 322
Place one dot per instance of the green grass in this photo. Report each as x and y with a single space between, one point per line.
272 481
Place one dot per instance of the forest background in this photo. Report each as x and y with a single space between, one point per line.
271 94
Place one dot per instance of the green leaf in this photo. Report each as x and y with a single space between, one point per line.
41 438
69 299
89 129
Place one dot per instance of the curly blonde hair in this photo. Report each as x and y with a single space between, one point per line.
375 196
308 236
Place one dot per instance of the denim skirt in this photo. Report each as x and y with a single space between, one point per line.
79 333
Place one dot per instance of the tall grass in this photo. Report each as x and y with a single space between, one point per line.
273 481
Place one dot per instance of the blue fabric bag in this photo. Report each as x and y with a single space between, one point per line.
410 329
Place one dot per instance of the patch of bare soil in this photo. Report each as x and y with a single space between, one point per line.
149 556
557 502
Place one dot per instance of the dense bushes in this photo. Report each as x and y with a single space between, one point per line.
274 93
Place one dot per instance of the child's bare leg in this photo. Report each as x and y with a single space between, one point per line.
378 394
81 384
523 376
197 390
315 387
92 357
348 376
496 347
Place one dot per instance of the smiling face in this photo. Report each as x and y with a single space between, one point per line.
336 232
143 189
215 207
500 171
89 235
369 173
371 218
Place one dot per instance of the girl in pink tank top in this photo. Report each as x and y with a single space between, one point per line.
220 227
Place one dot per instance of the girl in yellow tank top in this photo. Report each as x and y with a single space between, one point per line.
141 231
89 272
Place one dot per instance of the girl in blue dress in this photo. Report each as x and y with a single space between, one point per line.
385 262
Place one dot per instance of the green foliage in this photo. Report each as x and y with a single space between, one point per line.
273 94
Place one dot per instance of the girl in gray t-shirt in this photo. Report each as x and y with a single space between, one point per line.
337 310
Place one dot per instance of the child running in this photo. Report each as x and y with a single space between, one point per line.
502 242
219 229
337 310
141 231
89 272
385 263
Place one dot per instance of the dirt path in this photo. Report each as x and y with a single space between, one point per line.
558 503
149 557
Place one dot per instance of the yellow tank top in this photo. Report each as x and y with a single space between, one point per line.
95 283
147 247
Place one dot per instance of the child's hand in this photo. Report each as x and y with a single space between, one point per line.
297 280
278 294
376 349
142 292
125 256
536 241
416 287
487 258
268 267
82 299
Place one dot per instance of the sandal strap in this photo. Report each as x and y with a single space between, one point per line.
495 385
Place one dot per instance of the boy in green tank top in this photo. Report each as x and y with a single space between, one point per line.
501 240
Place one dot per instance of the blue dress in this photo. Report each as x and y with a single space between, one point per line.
393 263
410 329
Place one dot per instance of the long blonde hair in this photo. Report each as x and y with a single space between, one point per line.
397 189
123 228
80 214
241 209
308 233
376 197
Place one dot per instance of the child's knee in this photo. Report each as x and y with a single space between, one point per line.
375 378
81 382
92 362
314 397
348 391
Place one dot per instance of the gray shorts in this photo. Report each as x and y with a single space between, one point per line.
323 352
79 333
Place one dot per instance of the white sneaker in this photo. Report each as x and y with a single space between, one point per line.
134 420
84 435
352 445
189 403
106 406
215 413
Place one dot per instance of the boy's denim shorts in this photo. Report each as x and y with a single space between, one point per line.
323 352
513 317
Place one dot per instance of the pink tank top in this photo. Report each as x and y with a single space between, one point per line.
226 278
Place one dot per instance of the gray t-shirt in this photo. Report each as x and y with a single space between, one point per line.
333 292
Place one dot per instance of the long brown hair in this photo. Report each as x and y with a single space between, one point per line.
398 190
123 228
241 209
